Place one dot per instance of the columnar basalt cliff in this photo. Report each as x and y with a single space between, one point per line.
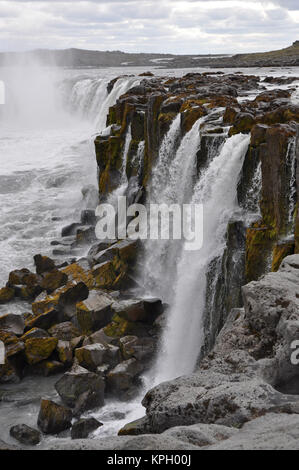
89 325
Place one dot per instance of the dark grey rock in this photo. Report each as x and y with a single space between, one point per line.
25 435
82 428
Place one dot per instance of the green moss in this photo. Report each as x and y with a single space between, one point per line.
259 244
280 252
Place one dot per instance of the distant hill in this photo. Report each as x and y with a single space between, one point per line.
85 58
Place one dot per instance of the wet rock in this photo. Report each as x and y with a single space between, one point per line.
95 355
135 428
13 345
99 247
201 435
6 295
43 264
23 277
94 312
53 280
12 323
25 435
44 321
81 388
98 337
82 428
85 235
146 311
88 217
70 230
141 349
46 368
65 331
63 299
65 352
123 376
53 418
39 349
35 333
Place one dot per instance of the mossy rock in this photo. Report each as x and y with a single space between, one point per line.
54 280
104 275
191 111
77 273
13 345
39 349
165 120
259 244
6 295
43 303
120 327
243 122
281 251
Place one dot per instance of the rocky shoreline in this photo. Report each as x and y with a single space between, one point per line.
91 325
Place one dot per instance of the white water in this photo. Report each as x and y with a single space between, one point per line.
217 190
291 160
172 182
47 155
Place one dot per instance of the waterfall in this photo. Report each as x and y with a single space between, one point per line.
252 206
120 191
172 182
292 164
217 191
89 98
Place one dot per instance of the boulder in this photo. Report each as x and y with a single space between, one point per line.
39 349
44 321
269 432
13 345
12 323
65 352
272 311
43 264
46 368
95 312
81 388
141 349
6 295
25 435
63 299
53 280
135 428
95 355
139 310
123 376
65 331
53 418
35 333
82 428
23 277
212 398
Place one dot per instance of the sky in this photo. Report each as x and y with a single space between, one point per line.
166 26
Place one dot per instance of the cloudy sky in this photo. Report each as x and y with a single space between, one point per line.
171 26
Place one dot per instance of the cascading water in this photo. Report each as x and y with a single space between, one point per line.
179 172
216 190
292 164
90 97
